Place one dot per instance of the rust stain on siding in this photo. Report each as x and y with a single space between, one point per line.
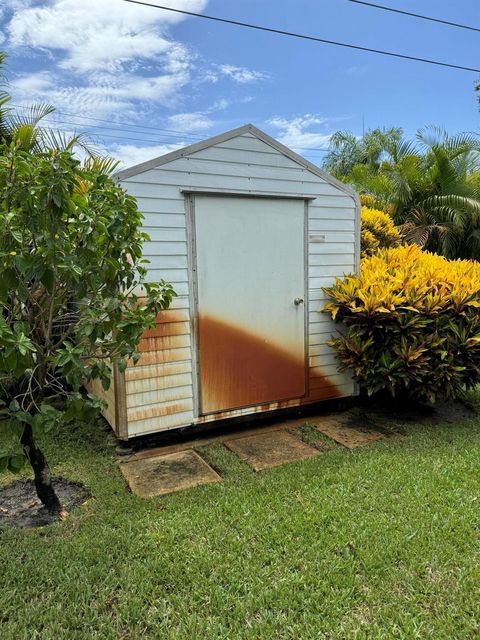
165 342
167 329
159 410
138 372
161 357
172 315
239 369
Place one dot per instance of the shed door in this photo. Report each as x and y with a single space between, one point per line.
251 331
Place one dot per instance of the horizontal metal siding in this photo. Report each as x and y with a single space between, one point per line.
160 386
95 387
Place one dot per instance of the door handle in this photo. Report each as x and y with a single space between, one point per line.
298 301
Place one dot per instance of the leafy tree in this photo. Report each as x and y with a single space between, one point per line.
72 294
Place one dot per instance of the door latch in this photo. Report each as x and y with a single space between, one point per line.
298 301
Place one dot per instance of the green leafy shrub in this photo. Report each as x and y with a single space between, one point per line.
412 324
72 274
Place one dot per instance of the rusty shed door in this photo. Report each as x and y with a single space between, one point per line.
250 275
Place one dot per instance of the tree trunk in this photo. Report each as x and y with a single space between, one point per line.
41 470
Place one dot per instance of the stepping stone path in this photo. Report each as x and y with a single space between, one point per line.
270 449
164 474
349 437
158 472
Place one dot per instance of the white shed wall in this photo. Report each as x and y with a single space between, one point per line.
160 388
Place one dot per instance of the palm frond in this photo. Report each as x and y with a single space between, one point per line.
61 141
102 164
32 115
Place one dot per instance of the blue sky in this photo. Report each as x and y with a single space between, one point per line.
189 78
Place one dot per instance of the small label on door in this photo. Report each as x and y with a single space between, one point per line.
317 237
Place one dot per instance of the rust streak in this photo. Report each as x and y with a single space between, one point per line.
239 369
172 315
165 342
167 329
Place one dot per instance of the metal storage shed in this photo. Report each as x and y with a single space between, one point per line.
248 232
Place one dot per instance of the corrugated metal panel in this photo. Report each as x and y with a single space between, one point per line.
156 386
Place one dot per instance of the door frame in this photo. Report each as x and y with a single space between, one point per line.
189 196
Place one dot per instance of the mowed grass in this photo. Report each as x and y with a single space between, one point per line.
382 542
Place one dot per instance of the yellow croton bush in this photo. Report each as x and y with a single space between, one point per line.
411 323
378 231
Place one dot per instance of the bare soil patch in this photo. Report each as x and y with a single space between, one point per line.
21 508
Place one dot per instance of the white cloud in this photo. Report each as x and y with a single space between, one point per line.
112 60
33 84
297 134
98 34
219 105
241 75
356 70
186 122
130 155
99 96
105 56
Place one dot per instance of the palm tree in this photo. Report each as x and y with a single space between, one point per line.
347 150
431 187
26 130
437 199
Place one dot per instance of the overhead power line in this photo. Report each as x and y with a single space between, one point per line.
110 122
123 130
85 127
302 36
416 15
197 137
96 137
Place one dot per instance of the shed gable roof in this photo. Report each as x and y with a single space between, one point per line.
228 135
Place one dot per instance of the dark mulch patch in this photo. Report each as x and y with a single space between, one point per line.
20 507
382 414
456 411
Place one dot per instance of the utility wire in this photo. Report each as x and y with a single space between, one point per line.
416 15
107 135
120 131
304 36
85 126
99 135
77 115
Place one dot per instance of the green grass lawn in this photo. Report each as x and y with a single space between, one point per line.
382 542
